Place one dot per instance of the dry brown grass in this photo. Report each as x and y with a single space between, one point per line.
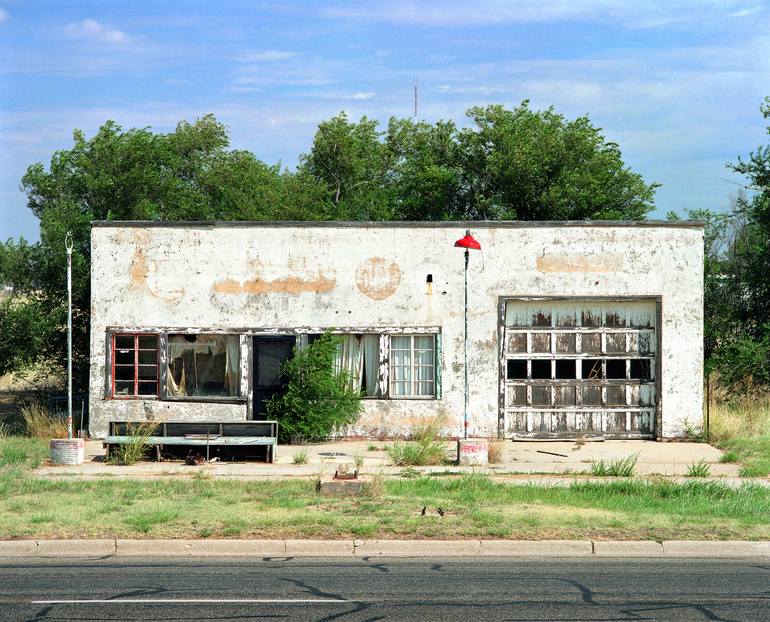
39 422
495 450
740 424
747 414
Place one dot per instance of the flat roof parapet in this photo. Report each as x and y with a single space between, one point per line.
408 224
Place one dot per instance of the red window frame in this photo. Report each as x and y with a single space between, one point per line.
136 364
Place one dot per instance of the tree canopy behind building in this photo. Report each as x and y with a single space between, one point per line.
507 164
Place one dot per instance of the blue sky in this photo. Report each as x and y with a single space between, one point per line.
677 84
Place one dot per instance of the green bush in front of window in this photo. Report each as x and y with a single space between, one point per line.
317 401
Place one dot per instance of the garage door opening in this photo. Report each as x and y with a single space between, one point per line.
579 368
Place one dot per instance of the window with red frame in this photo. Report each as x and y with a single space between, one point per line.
134 365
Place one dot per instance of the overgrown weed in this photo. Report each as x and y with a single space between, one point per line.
135 449
39 422
699 469
426 446
616 467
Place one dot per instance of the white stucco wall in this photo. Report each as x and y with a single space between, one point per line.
281 275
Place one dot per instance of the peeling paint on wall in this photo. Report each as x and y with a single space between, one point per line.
288 285
139 272
378 278
580 263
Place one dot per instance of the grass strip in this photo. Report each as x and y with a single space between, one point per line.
472 506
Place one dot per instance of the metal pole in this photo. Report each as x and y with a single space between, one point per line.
68 245
465 352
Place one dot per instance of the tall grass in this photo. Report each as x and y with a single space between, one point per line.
740 424
39 422
133 451
617 467
427 446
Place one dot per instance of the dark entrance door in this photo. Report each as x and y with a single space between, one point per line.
269 353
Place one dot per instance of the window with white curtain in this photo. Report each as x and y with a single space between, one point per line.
359 356
412 366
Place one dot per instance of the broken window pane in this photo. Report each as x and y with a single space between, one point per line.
203 365
641 369
591 369
541 369
616 368
516 369
565 369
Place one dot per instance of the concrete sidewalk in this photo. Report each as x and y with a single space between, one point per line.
383 548
544 460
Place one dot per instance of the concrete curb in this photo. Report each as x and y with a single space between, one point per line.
708 548
381 548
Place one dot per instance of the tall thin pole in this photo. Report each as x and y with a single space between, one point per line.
415 101
68 245
465 348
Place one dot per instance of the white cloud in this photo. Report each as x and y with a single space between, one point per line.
3 15
745 12
461 13
91 30
364 95
263 56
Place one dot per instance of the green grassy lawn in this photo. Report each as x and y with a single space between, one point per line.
473 506
753 452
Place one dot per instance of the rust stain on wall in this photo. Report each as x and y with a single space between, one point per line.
580 263
377 278
287 285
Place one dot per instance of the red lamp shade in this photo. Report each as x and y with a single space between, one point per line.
468 241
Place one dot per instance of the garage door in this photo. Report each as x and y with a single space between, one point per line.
579 368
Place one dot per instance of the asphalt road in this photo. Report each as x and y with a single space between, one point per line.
383 589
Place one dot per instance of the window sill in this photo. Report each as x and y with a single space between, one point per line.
205 400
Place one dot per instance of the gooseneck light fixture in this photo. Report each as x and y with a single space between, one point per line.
468 242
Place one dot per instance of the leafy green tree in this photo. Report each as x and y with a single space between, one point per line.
427 178
752 264
523 164
317 401
511 164
187 174
354 164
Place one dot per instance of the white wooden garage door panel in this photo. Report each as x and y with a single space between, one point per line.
573 368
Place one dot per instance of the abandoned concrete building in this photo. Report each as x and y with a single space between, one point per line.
574 329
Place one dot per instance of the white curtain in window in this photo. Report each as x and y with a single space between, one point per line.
232 350
371 355
424 365
349 359
400 365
